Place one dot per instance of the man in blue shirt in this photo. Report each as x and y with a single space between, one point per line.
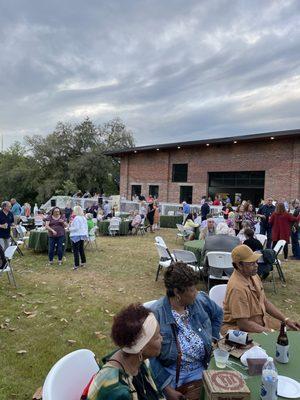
16 209
186 208
6 221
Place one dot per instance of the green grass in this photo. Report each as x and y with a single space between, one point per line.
73 305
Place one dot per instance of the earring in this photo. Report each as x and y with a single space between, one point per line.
178 298
141 358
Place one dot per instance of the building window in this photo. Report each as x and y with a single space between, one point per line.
136 190
179 173
153 191
186 194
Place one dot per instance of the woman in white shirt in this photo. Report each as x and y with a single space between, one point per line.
78 234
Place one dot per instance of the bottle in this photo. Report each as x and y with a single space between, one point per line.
282 346
35 209
269 381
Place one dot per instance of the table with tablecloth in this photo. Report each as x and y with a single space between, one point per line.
291 369
196 246
38 240
103 227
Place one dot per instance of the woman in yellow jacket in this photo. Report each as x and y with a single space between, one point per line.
190 226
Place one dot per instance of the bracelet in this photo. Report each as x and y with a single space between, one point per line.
286 319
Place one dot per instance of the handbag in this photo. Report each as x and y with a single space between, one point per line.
191 390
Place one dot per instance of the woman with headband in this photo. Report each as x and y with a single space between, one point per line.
125 374
188 321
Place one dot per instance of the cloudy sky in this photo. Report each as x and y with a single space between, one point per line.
172 70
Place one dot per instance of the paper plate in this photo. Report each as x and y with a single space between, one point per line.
254 352
288 387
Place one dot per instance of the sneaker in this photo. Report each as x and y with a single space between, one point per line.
75 268
49 263
59 262
83 265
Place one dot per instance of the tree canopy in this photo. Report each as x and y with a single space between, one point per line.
69 159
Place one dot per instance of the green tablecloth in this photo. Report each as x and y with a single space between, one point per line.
196 247
103 227
170 221
38 241
292 369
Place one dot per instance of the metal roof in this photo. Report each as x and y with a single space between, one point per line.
224 140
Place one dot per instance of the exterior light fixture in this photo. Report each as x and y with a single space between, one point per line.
272 137
178 147
157 149
135 151
235 142
207 144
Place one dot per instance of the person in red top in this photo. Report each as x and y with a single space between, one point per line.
281 222
216 201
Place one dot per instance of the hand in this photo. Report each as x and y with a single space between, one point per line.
54 232
293 325
5 226
172 394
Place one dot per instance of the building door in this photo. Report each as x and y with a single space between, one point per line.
249 185
186 194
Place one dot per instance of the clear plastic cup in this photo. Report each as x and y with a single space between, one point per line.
221 357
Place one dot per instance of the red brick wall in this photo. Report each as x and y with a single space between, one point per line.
280 159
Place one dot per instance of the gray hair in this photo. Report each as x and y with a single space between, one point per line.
5 204
222 229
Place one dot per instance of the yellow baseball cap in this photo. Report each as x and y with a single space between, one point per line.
244 253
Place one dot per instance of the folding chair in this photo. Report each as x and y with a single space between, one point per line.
114 226
165 258
149 304
189 258
91 238
22 233
9 253
219 260
279 250
17 242
141 228
217 294
262 239
70 375
182 233
160 240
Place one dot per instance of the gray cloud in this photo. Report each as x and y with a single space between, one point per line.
171 70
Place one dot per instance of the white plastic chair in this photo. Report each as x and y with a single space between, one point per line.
92 238
219 260
114 226
217 294
149 304
279 250
70 375
187 257
182 233
262 239
160 240
22 233
9 253
165 258
171 213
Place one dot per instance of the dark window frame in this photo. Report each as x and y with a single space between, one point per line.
156 194
135 193
184 196
180 176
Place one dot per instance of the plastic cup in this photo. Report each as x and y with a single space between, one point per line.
221 357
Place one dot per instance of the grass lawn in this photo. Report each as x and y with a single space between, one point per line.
55 305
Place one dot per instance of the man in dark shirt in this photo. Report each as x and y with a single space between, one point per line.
264 212
6 221
295 231
254 244
205 209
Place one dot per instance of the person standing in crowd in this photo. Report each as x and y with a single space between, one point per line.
6 222
249 215
78 234
16 210
226 210
107 210
281 221
264 212
90 222
26 210
156 216
68 211
205 209
186 210
150 215
217 201
295 231
55 225
238 218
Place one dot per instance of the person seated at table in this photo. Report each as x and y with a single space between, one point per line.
55 225
39 218
226 210
241 235
246 307
209 230
251 241
204 223
90 222
135 222
126 374
190 226
189 320
230 221
222 241
100 215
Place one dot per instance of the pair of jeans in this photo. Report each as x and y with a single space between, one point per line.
267 230
56 241
295 245
78 250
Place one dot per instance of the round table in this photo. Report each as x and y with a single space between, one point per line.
103 227
38 241
291 369
196 246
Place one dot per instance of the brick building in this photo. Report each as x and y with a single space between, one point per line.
252 166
